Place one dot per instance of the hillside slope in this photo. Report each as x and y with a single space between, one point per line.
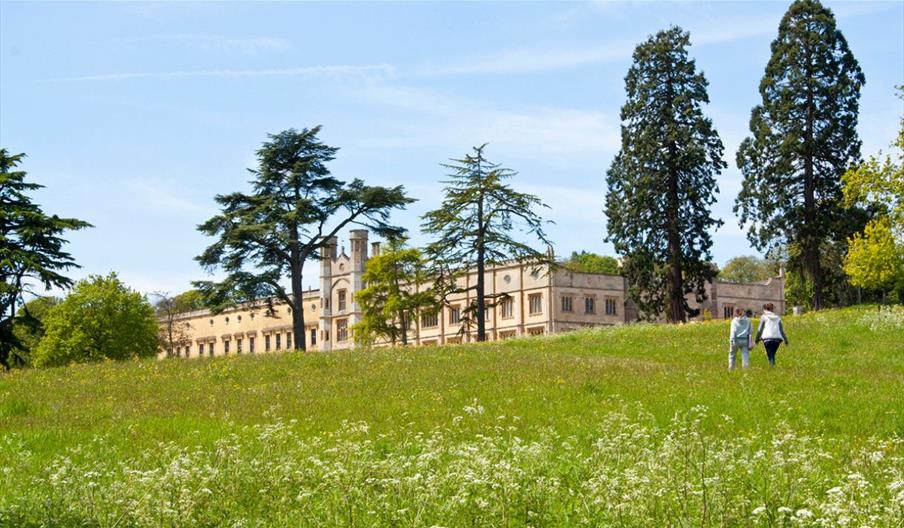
630 425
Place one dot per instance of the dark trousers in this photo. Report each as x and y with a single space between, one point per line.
771 346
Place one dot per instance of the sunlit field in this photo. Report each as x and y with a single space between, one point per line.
627 426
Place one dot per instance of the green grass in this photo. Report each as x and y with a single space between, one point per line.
628 426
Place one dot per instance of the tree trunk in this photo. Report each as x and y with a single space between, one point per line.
298 315
481 264
675 312
170 333
297 265
5 353
481 299
811 239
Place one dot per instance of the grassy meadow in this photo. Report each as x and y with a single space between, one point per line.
637 425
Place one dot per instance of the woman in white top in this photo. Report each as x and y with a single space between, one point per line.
771 332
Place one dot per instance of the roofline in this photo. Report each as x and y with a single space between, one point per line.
251 305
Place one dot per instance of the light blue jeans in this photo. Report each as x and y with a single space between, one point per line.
739 343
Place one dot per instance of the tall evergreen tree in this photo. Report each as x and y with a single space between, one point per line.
475 227
662 183
295 205
31 253
803 139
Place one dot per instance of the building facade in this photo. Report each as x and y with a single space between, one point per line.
537 301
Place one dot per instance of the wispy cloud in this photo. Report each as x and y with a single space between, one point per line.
538 58
155 196
558 135
705 24
219 43
532 59
570 204
365 71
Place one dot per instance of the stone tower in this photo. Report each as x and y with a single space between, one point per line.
327 257
358 242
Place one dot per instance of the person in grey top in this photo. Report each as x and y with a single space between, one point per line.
738 339
771 332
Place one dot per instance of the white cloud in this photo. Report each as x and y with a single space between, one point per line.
704 31
561 136
217 43
569 205
158 198
151 282
365 71
533 59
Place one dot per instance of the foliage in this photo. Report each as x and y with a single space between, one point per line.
29 326
879 183
875 259
100 319
803 138
798 289
662 183
475 227
189 301
393 296
585 262
295 206
172 331
634 426
747 269
31 253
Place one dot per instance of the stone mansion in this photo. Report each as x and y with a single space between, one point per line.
539 302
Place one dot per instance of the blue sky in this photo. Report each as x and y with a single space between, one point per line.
135 115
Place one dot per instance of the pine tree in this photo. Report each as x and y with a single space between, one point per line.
475 228
803 139
662 184
31 253
267 236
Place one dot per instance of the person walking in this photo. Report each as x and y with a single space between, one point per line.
749 313
739 339
770 332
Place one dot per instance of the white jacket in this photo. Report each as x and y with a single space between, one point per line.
770 328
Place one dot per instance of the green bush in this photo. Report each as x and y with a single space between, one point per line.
100 319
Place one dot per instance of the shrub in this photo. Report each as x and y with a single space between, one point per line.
100 319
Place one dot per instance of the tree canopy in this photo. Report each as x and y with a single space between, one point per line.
188 301
100 319
173 330
394 294
875 258
29 326
265 237
747 269
476 226
31 253
662 183
586 262
803 138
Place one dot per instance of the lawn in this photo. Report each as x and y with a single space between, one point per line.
639 425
